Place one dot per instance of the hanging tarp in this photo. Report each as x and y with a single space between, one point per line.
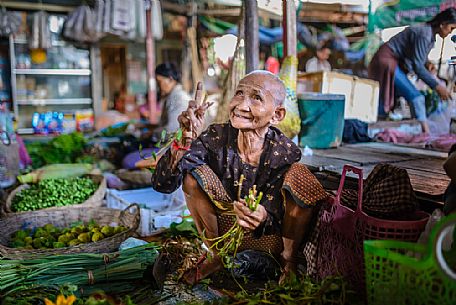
393 13
215 25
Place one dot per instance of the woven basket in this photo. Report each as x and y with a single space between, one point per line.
336 245
94 201
129 218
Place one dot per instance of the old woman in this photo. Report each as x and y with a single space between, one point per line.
209 164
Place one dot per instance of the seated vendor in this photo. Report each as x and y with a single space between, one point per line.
248 145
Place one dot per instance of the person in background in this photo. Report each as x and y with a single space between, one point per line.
421 85
319 62
172 97
408 52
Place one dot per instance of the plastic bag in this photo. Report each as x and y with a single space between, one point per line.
41 34
9 164
84 24
132 242
291 125
439 121
9 23
253 264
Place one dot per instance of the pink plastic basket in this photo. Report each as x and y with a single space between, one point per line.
343 230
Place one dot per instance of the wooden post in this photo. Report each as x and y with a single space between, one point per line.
252 42
289 28
150 63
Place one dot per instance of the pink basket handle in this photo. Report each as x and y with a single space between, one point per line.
357 171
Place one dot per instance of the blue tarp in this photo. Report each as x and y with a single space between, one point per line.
268 36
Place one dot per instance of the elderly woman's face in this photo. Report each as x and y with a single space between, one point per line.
253 105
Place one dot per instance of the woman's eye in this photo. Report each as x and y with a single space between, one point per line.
239 93
258 98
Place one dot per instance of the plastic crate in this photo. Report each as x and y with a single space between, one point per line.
411 273
158 210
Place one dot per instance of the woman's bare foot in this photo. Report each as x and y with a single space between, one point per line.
202 270
289 268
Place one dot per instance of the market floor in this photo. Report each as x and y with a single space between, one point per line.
424 166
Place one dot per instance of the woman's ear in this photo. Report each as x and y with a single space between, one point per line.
279 115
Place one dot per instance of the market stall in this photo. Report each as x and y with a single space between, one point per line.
80 222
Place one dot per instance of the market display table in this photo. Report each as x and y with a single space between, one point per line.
425 167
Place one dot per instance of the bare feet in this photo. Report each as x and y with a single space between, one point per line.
202 270
289 268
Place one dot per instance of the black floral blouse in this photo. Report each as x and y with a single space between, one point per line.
217 148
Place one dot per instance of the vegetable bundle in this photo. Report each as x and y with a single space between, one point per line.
230 241
56 171
53 193
77 269
66 148
50 237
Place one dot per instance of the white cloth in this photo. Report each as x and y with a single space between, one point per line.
314 65
173 105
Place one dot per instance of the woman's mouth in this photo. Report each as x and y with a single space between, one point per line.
241 116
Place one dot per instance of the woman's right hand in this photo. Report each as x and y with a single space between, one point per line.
192 120
442 91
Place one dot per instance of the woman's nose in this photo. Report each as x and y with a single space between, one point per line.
244 104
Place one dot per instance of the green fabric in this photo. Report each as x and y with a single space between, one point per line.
393 13
216 25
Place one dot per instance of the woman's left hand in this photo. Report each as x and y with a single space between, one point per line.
248 219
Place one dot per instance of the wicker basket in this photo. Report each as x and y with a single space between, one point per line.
96 200
64 218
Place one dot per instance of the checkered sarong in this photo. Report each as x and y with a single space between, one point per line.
302 185
387 194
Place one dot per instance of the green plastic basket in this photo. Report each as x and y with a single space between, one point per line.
410 273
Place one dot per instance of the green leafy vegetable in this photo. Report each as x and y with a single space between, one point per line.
66 148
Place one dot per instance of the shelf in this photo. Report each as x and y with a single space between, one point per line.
54 43
61 101
25 131
52 71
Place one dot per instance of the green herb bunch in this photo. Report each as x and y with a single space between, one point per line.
163 145
228 244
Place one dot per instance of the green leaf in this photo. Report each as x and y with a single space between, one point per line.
179 135
76 223
286 297
163 135
141 154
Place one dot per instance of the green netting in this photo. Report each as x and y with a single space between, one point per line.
406 273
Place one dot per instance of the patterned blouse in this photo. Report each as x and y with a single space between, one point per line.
217 148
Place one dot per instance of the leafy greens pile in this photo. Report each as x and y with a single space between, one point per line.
66 148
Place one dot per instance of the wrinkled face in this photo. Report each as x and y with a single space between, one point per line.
323 54
446 29
253 106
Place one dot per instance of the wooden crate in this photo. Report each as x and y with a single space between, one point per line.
361 95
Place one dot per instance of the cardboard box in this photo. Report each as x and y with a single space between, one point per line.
361 95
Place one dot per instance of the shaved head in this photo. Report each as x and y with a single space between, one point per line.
268 81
